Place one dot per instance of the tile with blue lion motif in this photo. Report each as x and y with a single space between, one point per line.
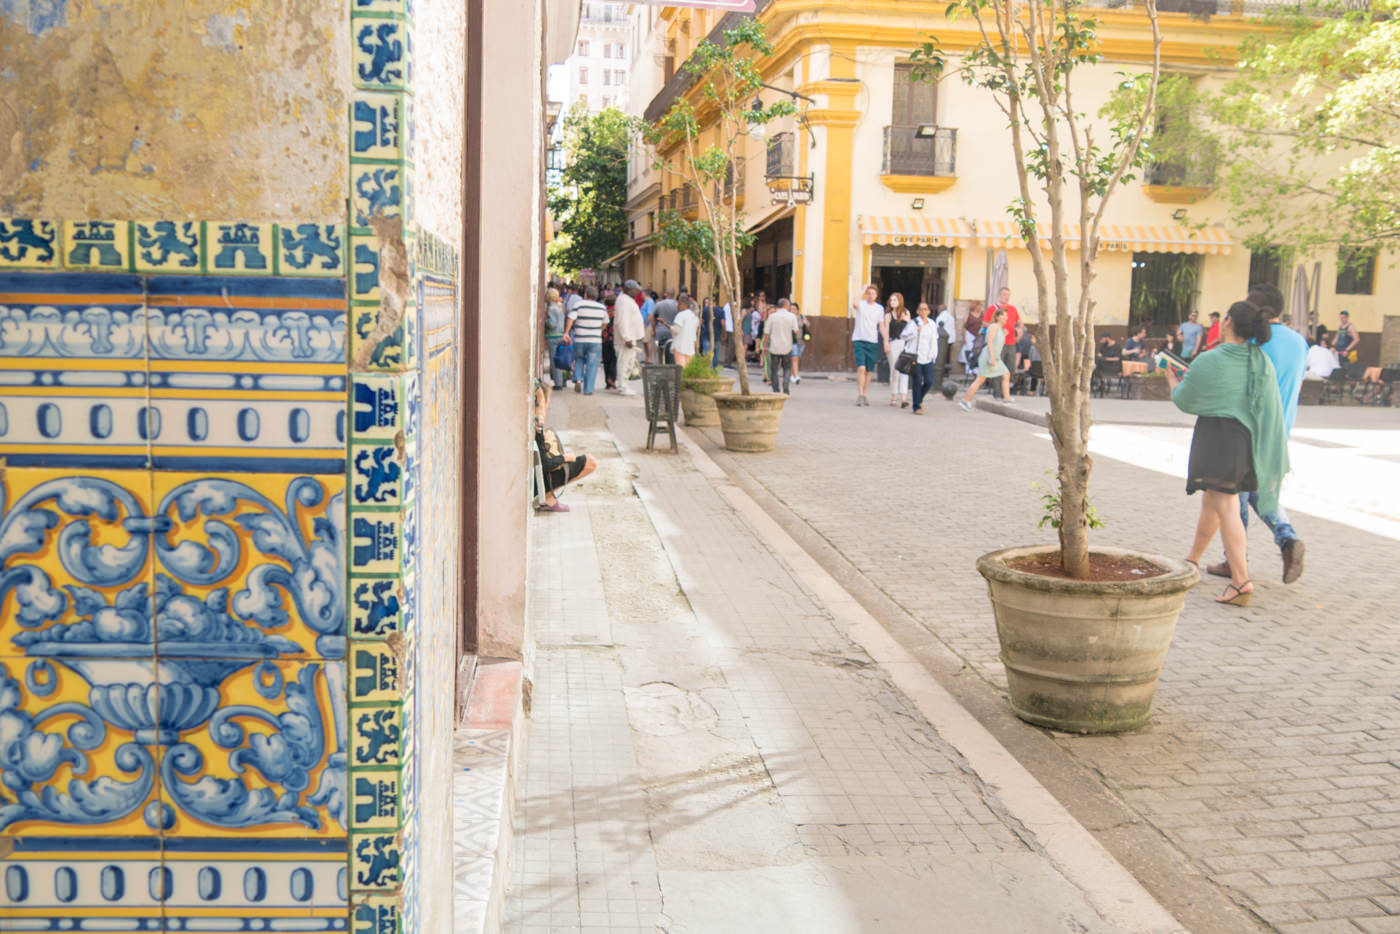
29 243
376 736
311 250
380 54
175 247
252 748
377 607
376 862
250 566
79 755
376 914
377 475
99 245
376 191
76 551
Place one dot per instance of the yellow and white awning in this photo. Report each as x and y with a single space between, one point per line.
1132 238
914 231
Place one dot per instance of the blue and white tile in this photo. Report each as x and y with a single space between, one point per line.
171 247
376 862
29 243
237 318
97 245
376 126
376 191
311 250
380 53
239 248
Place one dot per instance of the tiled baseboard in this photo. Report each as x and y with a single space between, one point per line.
485 750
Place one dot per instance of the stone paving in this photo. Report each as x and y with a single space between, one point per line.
1273 758
709 752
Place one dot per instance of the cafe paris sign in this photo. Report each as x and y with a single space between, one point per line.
731 6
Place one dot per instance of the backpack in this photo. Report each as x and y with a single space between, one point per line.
978 346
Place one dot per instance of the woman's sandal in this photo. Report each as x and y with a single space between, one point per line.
1241 597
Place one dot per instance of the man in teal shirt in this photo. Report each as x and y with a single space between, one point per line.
1191 334
1288 351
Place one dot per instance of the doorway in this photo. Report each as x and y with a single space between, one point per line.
920 274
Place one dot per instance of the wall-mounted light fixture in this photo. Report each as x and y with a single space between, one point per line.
918 204
1179 214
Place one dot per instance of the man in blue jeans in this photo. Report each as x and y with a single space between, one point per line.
1289 353
585 331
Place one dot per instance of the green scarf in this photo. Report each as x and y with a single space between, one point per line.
1238 381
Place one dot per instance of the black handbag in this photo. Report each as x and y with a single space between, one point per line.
906 360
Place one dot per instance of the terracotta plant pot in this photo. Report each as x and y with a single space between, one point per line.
697 400
750 423
1084 656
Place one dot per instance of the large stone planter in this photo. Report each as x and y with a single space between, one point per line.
697 400
1084 656
750 423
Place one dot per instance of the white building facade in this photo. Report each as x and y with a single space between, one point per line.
598 71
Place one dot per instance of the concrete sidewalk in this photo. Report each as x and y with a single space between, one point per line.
722 739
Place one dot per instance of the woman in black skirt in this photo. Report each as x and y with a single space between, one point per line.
1239 444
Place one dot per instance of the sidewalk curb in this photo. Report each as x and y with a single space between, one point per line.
988 404
1079 857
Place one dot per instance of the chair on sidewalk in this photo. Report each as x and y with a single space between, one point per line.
1336 388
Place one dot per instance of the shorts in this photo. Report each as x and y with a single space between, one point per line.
797 346
567 473
867 354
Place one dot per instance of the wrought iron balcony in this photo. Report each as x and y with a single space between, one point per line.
932 152
1197 174
780 156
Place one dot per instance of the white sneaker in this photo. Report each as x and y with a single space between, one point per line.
962 404
797 379
1009 401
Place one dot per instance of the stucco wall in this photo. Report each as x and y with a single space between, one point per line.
197 109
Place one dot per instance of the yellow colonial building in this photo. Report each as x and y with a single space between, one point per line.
910 181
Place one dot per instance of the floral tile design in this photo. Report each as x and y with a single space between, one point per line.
250 566
252 744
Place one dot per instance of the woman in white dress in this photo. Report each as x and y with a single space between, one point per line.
892 330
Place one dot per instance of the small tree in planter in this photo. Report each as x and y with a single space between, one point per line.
702 140
1081 654
1027 57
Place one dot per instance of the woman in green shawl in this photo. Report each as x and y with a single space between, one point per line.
1239 444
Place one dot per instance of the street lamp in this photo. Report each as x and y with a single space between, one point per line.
926 131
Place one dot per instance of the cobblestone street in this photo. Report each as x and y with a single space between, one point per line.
1272 764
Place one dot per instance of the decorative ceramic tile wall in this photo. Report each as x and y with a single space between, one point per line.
228 500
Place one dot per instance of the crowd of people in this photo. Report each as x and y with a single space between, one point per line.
1240 374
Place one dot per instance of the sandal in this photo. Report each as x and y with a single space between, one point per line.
1241 597
556 506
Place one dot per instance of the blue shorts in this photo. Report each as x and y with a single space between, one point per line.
867 354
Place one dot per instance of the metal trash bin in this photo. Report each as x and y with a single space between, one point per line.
661 391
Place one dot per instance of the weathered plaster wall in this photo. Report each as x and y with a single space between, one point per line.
178 109
509 287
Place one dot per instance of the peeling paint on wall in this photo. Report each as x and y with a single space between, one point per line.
175 108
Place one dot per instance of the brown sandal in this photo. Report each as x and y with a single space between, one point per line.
1241 597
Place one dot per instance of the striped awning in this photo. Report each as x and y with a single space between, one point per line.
914 231
1131 238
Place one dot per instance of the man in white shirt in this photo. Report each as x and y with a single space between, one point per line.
947 333
779 331
584 329
628 332
685 331
865 339
1322 359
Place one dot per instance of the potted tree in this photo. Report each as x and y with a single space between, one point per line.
700 380
700 141
1084 631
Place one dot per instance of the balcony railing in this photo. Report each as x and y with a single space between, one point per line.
1180 174
909 153
780 156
